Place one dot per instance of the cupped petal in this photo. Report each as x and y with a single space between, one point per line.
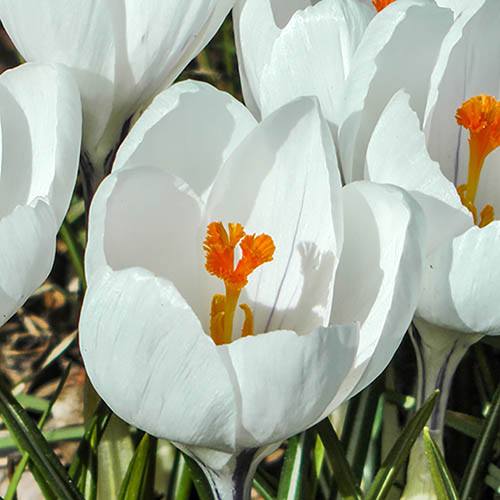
28 241
147 356
468 65
287 380
41 133
255 31
79 35
381 66
158 40
177 133
145 217
379 275
312 55
283 180
460 283
397 154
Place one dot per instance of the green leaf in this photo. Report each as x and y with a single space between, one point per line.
83 469
115 452
292 472
356 434
181 484
30 440
343 475
138 483
72 433
399 452
441 477
472 481
75 251
263 486
16 477
199 479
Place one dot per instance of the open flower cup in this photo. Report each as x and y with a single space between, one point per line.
40 122
196 220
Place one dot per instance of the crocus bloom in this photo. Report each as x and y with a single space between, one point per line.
121 53
40 116
214 256
292 49
449 160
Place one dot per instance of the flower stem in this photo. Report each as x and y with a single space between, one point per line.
438 352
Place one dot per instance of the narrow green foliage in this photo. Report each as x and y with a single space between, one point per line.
472 481
342 472
138 483
31 441
441 477
181 483
75 251
264 487
292 473
358 427
16 477
399 452
199 479
83 469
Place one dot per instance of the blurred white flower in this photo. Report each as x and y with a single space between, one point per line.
122 53
163 340
40 119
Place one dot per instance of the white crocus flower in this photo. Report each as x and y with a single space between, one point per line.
196 220
122 53
40 122
449 161
292 49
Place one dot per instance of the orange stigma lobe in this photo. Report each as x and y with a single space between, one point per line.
381 4
480 115
219 247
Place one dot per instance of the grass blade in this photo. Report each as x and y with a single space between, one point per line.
342 472
30 440
476 468
180 481
400 451
441 477
83 469
199 479
292 472
138 483
16 477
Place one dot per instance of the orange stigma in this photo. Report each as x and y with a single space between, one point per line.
381 4
481 116
219 246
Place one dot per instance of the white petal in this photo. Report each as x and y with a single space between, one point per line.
468 65
27 239
177 133
379 275
162 37
382 65
149 359
287 381
80 36
41 132
312 55
255 31
397 155
461 281
456 5
283 180
144 217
